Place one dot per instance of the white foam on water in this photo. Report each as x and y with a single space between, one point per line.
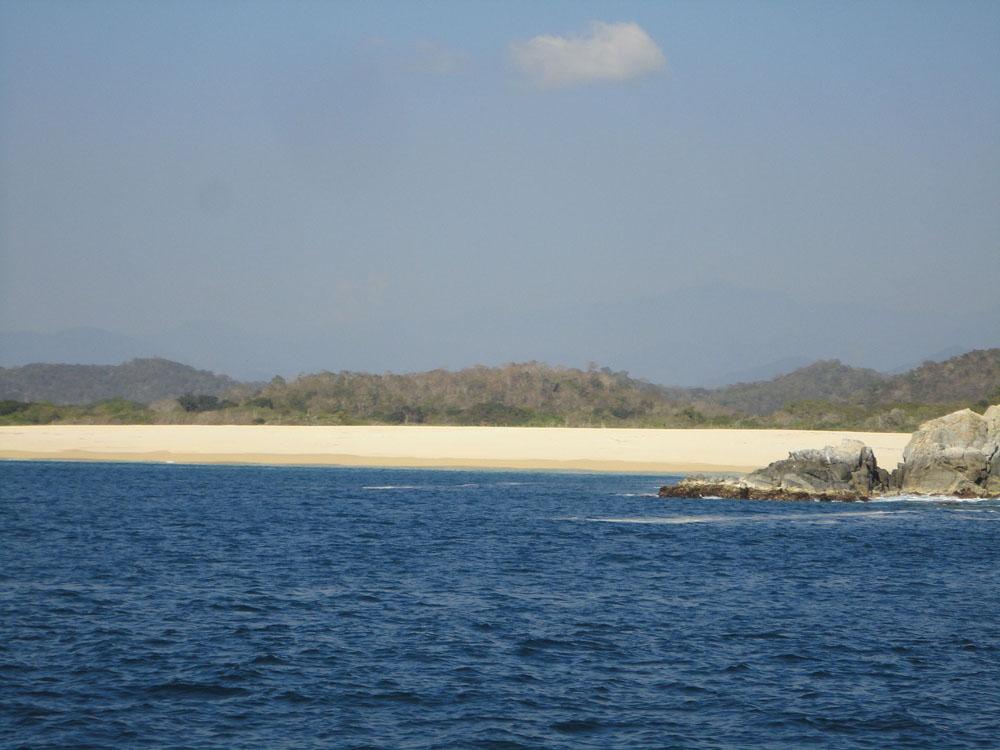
928 499
659 520
391 487
824 518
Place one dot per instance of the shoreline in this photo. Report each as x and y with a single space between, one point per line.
625 450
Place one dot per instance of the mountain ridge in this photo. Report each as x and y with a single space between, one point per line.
143 380
824 392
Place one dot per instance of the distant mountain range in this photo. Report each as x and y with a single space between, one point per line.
140 380
207 345
707 335
970 377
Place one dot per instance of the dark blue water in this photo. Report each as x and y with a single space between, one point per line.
221 607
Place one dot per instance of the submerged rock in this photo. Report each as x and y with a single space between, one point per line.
695 488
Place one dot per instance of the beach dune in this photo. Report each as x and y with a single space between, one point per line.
588 449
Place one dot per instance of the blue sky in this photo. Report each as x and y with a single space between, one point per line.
328 171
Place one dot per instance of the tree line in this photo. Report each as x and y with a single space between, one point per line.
826 395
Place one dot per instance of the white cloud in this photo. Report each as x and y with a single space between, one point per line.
605 52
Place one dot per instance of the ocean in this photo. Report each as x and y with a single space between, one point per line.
175 606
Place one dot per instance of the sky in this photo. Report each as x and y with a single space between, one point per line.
671 188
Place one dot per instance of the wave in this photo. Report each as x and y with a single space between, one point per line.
800 517
930 499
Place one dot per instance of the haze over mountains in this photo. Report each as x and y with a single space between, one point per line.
709 335
140 380
281 188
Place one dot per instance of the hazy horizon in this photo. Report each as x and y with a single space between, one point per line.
678 190
85 345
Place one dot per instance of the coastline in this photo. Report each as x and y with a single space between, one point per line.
654 451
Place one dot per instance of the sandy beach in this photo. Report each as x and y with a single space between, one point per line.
619 450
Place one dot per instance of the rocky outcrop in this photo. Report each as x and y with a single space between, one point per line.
849 467
992 482
957 455
694 487
847 472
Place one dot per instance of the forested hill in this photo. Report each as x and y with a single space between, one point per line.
824 395
965 377
141 380
531 393
826 380
969 377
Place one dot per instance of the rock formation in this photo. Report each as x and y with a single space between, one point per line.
846 472
957 454
849 467
992 419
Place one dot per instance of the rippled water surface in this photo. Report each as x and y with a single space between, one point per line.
221 607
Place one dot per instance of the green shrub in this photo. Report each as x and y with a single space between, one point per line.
198 403
10 406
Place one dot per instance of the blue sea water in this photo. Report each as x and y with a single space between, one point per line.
147 605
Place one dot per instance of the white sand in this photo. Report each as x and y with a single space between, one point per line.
655 451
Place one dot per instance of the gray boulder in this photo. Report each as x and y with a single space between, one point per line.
992 418
957 454
847 468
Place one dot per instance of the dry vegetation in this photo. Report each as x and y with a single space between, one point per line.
825 395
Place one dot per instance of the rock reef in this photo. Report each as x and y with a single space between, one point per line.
957 455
